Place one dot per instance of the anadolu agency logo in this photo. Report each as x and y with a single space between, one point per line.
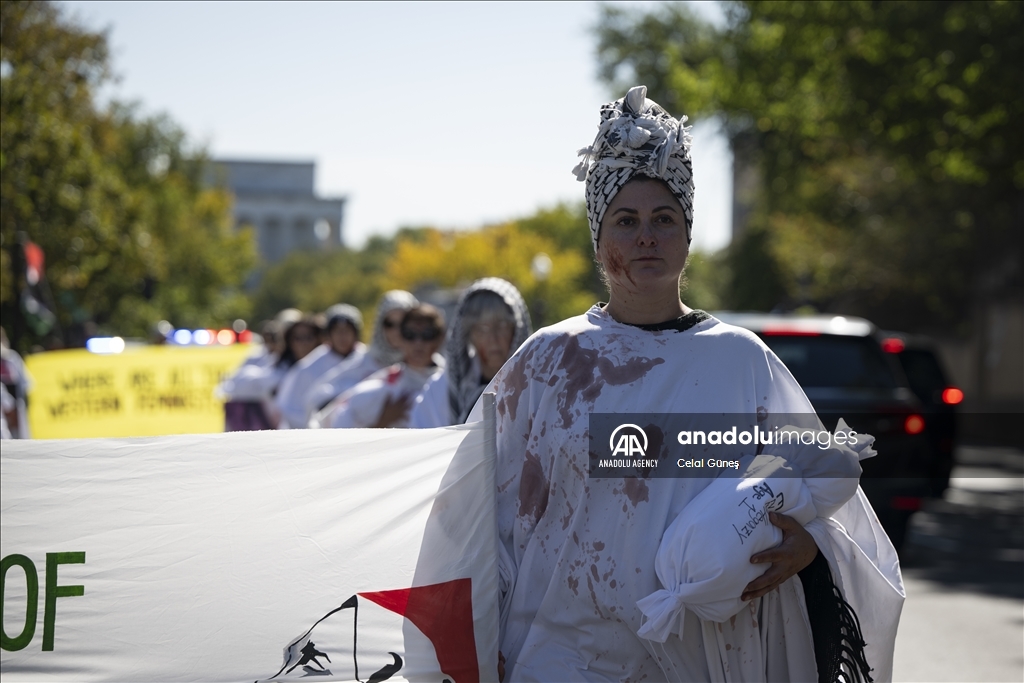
628 441
628 446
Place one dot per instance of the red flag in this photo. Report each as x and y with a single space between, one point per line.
34 260
443 612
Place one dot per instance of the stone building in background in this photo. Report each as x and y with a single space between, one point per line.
277 198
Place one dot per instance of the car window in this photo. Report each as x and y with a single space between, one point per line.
833 361
923 372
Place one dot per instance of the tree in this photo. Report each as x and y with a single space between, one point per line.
114 200
886 137
315 280
548 276
564 283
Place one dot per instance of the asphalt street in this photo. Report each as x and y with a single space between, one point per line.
963 569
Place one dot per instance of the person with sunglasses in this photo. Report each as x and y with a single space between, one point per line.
383 351
491 321
384 398
341 346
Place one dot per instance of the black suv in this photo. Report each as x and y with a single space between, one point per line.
939 397
840 363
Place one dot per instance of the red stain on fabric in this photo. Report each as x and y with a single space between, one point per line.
636 490
533 488
514 383
580 365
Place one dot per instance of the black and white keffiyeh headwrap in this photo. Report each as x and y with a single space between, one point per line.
636 137
464 386
383 352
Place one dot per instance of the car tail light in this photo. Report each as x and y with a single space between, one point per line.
244 337
893 345
908 503
951 396
914 424
788 332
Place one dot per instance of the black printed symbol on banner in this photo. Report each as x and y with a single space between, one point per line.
387 671
303 650
443 612
309 654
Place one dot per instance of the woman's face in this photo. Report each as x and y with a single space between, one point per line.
419 340
392 327
642 244
491 336
342 337
302 339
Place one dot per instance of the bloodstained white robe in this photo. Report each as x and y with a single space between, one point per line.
579 552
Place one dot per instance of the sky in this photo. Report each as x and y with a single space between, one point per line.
454 115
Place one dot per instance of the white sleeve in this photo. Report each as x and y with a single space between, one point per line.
863 560
431 407
338 380
360 406
251 383
866 569
7 404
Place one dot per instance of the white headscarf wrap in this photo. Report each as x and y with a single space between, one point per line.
383 352
346 312
636 137
464 386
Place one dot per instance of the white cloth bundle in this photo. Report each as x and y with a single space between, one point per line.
703 561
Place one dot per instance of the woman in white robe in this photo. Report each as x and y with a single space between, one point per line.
491 321
341 347
383 352
384 398
579 552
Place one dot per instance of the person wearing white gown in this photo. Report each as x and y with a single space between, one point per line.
578 553
340 348
383 399
382 352
491 321
249 391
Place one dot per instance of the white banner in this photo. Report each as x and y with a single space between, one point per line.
362 555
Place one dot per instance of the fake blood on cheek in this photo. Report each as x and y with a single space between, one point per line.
616 266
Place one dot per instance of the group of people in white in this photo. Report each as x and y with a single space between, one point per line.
312 371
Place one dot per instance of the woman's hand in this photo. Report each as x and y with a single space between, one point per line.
796 551
394 410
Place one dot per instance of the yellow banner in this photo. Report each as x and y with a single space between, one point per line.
142 391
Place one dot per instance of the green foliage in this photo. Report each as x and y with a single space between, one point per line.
422 258
886 137
704 281
566 225
315 280
456 259
115 200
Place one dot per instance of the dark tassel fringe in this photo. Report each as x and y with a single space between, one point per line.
838 642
